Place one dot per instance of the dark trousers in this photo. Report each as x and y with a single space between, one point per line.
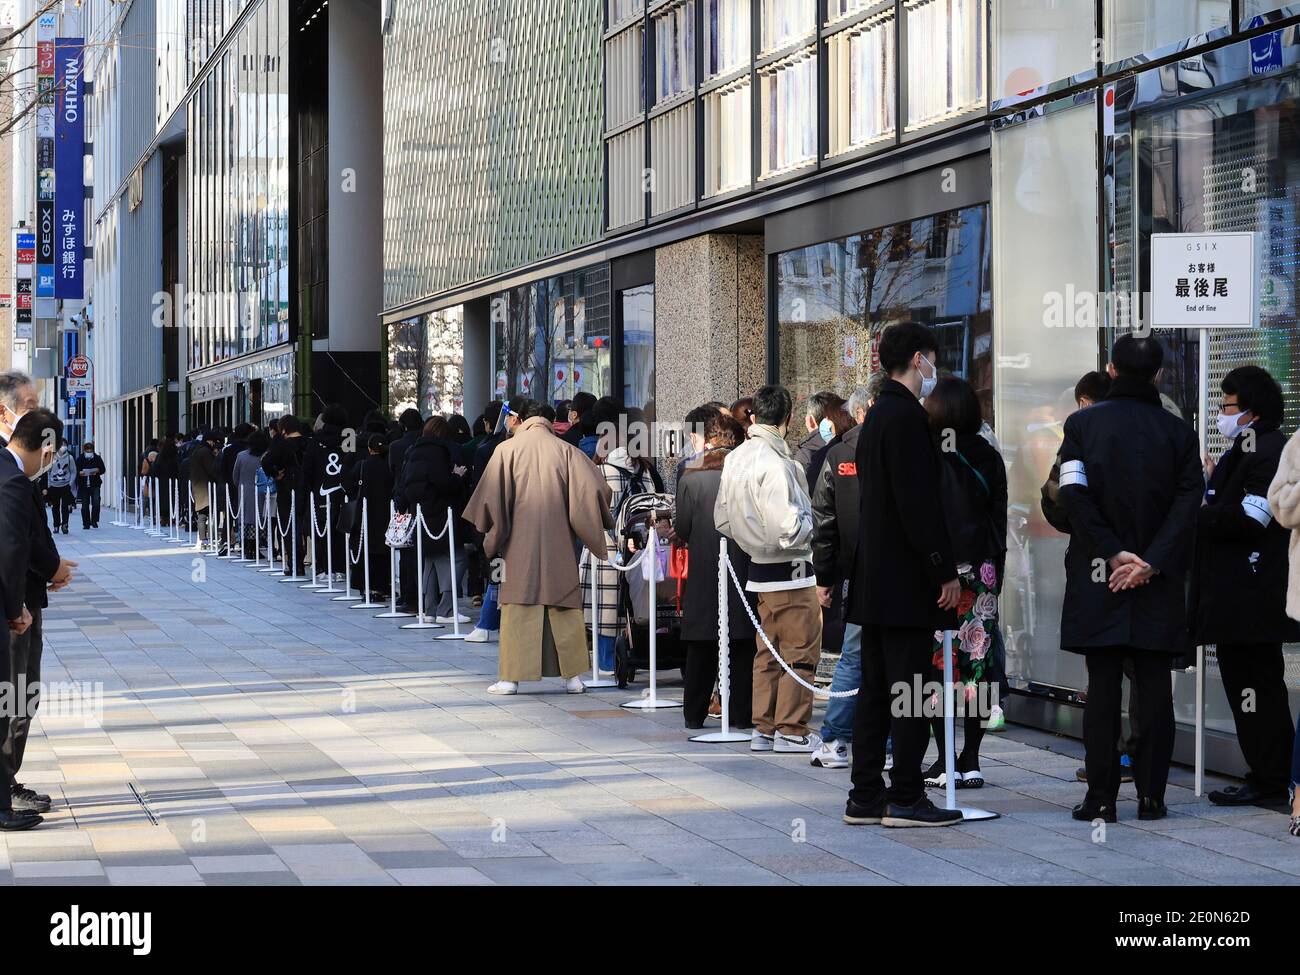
1264 731
701 670
408 579
62 502
1154 728
24 673
891 656
6 778
89 506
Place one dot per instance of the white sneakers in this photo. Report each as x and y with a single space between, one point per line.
575 686
759 742
832 754
481 636
461 618
504 687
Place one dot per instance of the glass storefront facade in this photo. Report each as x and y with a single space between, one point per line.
426 363
834 300
238 189
552 338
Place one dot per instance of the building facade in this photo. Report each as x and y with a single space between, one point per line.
783 179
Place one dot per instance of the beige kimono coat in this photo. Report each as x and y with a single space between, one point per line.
536 495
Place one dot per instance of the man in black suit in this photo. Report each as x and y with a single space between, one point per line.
904 586
29 452
1131 485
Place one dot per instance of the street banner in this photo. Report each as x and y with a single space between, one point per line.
69 160
45 108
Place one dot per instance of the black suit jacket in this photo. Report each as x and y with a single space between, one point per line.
43 554
904 555
15 536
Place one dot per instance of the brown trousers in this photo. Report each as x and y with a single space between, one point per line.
792 620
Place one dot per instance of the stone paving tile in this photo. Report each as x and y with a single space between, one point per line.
280 738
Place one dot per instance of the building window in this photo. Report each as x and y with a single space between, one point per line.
1137 26
674 32
834 300
1252 9
726 25
860 68
839 9
637 313
624 85
672 154
945 59
789 121
727 138
787 21
627 177
1035 44
621 11
404 365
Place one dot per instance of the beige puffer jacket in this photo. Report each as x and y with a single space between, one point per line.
1284 500
763 504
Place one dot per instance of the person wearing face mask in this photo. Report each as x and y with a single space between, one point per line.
811 450
17 396
1239 580
30 566
90 476
904 585
58 487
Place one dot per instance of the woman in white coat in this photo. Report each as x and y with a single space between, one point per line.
1284 502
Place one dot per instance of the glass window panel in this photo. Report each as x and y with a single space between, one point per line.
727 138
637 307
618 11
1036 44
789 120
786 21
945 59
674 50
1136 26
861 76
1044 178
727 32
837 9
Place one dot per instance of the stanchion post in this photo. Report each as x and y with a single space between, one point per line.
455 633
421 621
366 602
295 576
725 734
393 613
329 586
1200 716
596 680
652 701
950 740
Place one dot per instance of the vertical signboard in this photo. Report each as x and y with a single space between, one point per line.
69 153
45 99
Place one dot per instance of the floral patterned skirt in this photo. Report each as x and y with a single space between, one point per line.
977 615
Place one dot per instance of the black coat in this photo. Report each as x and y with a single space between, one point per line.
283 463
1239 574
429 481
90 471
397 451
693 525
16 514
904 554
371 480
977 520
835 503
326 462
1131 480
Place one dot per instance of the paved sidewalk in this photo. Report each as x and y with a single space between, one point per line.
277 737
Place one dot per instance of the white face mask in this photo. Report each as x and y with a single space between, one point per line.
1228 425
928 382
827 430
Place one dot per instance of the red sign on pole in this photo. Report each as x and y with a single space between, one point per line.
78 367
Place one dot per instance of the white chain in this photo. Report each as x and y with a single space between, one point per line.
318 532
615 565
817 691
424 526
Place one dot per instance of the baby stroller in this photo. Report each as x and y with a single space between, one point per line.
632 646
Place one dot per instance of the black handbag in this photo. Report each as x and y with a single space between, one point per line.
350 516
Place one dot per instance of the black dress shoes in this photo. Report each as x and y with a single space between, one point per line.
858 814
923 812
1087 811
1247 795
13 821
27 801
1149 808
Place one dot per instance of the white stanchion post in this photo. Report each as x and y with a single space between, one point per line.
214 523
239 525
725 734
455 633
293 527
422 622
392 612
366 602
652 701
225 504
329 588
950 741
120 522
139 504
272 535
314 583
257 531
347 570
193 516
174 504
1200 713
155 516
596 681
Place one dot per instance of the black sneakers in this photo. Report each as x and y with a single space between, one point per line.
1087 811
29 801
12 821
858 814
923 812
1149 808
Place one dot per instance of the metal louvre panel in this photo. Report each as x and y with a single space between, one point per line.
672 142
626 187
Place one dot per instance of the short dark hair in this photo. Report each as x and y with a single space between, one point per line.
272 424
378 443
243 430
902 341
953 405
819 404
410 420
437 426
546 411
258 442
1140 358
290 424
742 411
1257 391
1092 385
772 405
582 401
491 413
335 415
723 430
36 428
518 405
697 419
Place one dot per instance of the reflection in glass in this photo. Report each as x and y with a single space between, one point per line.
860 68
726 138
789 120
1136 26
726 25
1036 44
785 21
637 307
945 59
674 50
